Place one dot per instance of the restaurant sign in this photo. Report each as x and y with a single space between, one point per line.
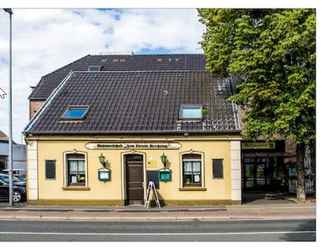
120 146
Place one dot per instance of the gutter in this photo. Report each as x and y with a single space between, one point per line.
144 132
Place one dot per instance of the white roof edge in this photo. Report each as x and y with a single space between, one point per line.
48 101
236 109
138 71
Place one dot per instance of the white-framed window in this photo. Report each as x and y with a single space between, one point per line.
192 170
75 169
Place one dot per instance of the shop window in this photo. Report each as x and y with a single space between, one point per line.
190 112
76 175
218 170
50 169
191 170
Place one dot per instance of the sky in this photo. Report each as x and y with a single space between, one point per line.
46 39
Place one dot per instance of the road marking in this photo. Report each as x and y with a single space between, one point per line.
265 208
155 234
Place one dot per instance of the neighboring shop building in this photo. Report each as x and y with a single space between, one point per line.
19 155
102 135
264 166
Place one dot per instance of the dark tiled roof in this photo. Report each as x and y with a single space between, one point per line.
119 63
138 102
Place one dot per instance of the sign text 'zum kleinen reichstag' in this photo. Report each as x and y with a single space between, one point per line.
133 145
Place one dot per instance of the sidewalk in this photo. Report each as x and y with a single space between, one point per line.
138 213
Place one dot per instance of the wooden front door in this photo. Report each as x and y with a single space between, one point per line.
134 179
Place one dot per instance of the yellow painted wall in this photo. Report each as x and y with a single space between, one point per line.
217 189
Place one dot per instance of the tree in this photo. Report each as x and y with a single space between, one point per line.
272 52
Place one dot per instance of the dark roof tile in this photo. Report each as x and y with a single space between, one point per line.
132 102
119 63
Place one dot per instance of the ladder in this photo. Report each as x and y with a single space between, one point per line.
151 191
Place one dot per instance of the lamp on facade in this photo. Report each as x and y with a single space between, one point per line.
103 161
164 160
104 173
165 173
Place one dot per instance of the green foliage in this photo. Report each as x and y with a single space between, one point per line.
272 51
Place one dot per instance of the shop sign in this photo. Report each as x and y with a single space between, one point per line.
258 145
104 174
165 175
116 146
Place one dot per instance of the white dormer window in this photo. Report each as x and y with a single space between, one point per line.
94 68
193 111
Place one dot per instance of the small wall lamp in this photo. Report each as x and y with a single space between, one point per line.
103 161
164 160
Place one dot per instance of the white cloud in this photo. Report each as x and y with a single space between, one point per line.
45 39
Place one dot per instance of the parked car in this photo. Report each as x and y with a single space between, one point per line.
14 171
22 178
18 195
16 180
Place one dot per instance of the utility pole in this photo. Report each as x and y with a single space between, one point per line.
10 155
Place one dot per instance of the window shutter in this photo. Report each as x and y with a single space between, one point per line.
218 168
50 169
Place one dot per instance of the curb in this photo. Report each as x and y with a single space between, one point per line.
150 219
118 210
150 210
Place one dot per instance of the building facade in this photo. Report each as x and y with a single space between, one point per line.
191 162
103 127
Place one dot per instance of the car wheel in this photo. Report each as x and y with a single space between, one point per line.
16 196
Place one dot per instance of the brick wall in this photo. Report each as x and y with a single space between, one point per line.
34 106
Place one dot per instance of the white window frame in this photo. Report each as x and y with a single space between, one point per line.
65 173
202 160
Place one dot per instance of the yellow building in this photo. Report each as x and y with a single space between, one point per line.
101 136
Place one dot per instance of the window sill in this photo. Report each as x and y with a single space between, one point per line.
192 189
76 188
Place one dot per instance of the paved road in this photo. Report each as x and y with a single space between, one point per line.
292 230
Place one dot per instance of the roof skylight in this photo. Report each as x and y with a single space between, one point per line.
75 112
94 68
190 112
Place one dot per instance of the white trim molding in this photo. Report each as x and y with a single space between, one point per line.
236 191
32 170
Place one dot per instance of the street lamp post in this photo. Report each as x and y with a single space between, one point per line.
10 155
